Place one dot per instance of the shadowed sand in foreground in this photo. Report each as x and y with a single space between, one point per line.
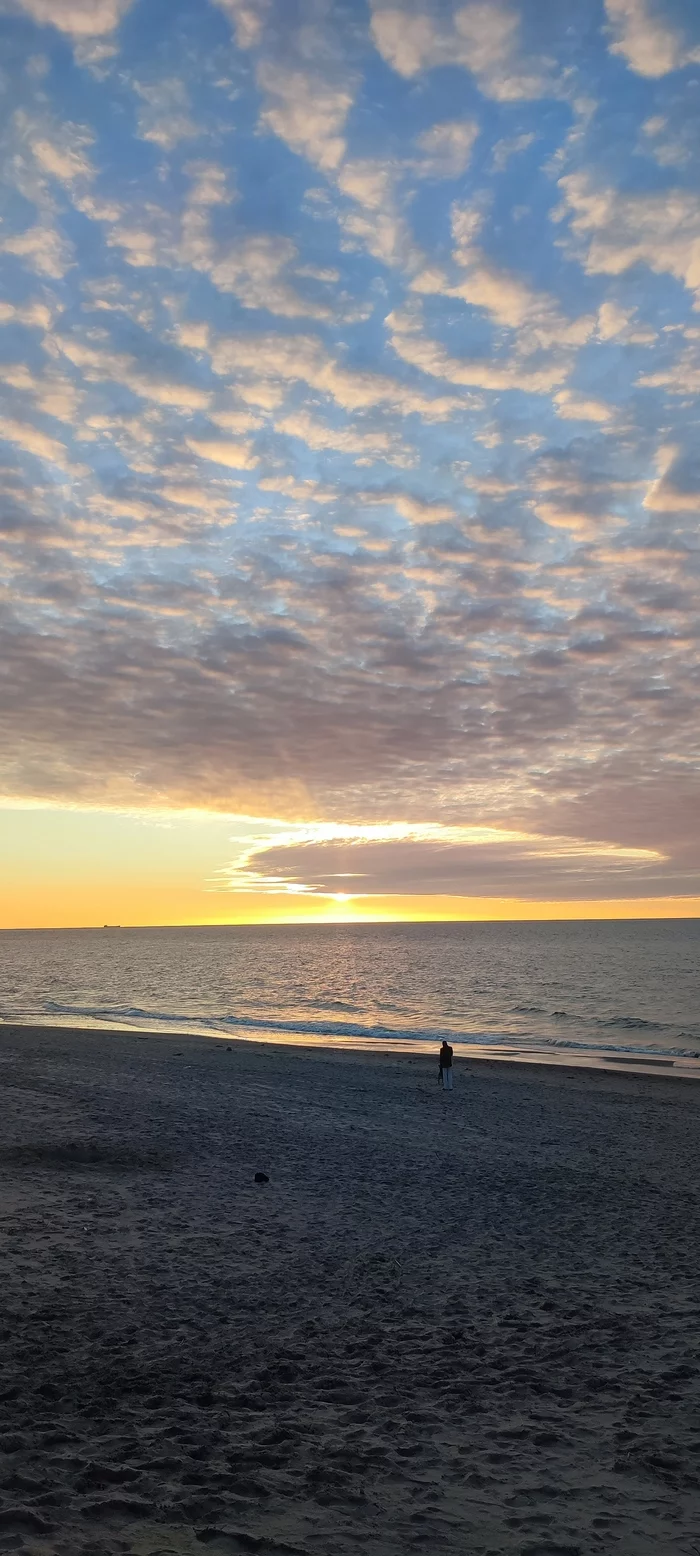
460 1322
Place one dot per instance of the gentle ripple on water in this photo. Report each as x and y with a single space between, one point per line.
631 987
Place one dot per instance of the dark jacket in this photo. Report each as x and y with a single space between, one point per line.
445 1057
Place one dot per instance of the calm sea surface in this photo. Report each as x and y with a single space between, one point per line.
576 991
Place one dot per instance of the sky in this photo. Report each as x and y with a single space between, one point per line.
349 370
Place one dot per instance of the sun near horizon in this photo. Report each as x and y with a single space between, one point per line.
95 869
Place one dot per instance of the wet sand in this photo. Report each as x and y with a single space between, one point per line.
463 1323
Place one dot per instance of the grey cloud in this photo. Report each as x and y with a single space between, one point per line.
677 488
347 692
574 492
511 868
631 789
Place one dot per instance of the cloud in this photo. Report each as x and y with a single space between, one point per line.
511 302
677 486
416 510
63 162
298 491
677 367
210 183
563 513
131 434
60 153
446 148
122 507
646 38
483 38
617 231
44 249
618 323
573 493
233 604
378 225
236 420
79 18
395 858
504 294
35 315
578 407
306 92
306 111
142 246
510 146
236 456
51 393
413 346
305 359
165 116
466 222
200 499
490 485
248 18
613 321
33 441
671 140
320 435
103 365
266 394
252 268
419 512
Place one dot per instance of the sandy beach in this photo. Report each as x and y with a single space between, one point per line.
464 1323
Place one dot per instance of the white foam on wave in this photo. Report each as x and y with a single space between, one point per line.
374 1038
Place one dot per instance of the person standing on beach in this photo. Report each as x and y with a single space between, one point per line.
446 1065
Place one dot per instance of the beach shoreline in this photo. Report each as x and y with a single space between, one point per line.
457 1322
466 1054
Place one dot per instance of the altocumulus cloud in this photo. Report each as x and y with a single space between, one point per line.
348 402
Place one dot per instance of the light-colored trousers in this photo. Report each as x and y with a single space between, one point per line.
447 1079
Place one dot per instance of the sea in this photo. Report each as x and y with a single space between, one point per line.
622 994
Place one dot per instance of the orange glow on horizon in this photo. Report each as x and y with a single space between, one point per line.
71 869
91 905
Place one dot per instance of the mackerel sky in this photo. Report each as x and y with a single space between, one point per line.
349 359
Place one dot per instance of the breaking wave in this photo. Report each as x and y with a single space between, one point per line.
360 1034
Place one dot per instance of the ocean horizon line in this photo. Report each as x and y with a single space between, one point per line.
351 923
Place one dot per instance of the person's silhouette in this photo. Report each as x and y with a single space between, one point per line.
446 1065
